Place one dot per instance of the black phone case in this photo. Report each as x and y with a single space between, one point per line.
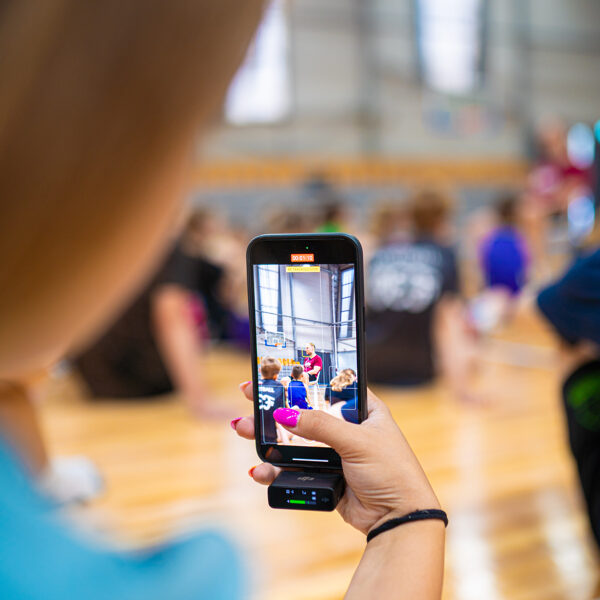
360 332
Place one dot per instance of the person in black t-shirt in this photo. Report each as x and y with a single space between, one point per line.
271 396
154 346
413 300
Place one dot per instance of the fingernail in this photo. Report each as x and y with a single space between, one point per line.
235 422
243 385
286 416
252 470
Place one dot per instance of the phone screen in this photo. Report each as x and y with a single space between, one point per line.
306 342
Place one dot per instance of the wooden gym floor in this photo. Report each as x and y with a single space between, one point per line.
517 527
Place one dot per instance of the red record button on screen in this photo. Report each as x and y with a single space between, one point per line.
303 258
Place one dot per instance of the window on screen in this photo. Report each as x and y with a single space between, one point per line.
346 297
268 288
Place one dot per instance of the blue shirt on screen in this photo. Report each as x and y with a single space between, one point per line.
42 559
350 411
297 394
350 392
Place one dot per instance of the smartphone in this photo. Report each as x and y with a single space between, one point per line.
307 323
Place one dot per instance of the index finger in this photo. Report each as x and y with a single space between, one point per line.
246 389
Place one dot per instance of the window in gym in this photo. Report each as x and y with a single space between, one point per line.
260 92
450 38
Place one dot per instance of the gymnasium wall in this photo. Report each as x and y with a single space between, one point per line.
355 88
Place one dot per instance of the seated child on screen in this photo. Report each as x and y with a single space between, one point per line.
342 387
271 396
296 390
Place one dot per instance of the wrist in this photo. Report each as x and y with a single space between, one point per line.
398 513
426 531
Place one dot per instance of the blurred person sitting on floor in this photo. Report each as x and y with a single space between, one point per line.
503 253
504 262
572 306
219 273
209 276
101 104
156 346
415 316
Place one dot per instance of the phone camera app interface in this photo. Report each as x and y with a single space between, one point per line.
306 342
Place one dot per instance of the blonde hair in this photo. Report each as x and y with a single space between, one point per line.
269 367
97 98
342 380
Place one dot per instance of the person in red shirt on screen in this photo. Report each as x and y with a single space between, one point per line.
312 363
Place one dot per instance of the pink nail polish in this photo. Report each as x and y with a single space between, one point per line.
235 422
286 416
245 384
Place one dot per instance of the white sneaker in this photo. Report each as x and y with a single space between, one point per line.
71 479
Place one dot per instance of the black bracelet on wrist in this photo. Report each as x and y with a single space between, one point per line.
417 515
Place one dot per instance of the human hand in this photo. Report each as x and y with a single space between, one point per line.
383 476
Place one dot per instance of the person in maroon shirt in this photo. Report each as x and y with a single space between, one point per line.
312 363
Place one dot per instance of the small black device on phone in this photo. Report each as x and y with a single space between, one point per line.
307 323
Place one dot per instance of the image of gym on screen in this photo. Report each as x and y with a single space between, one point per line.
304 311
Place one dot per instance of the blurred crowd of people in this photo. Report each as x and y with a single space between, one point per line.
102 107
433 292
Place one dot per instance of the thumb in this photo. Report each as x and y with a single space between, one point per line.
319 426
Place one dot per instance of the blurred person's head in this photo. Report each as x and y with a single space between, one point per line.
428 211
334 217
297 372
552 140
507 210
389 222
99 112
202 223
334 212
310 349
343 379
286 220
270 367
318 186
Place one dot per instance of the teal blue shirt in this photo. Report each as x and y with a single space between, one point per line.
42 559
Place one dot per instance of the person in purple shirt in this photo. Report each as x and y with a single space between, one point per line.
503 253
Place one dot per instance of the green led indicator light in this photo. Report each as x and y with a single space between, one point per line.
297 501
